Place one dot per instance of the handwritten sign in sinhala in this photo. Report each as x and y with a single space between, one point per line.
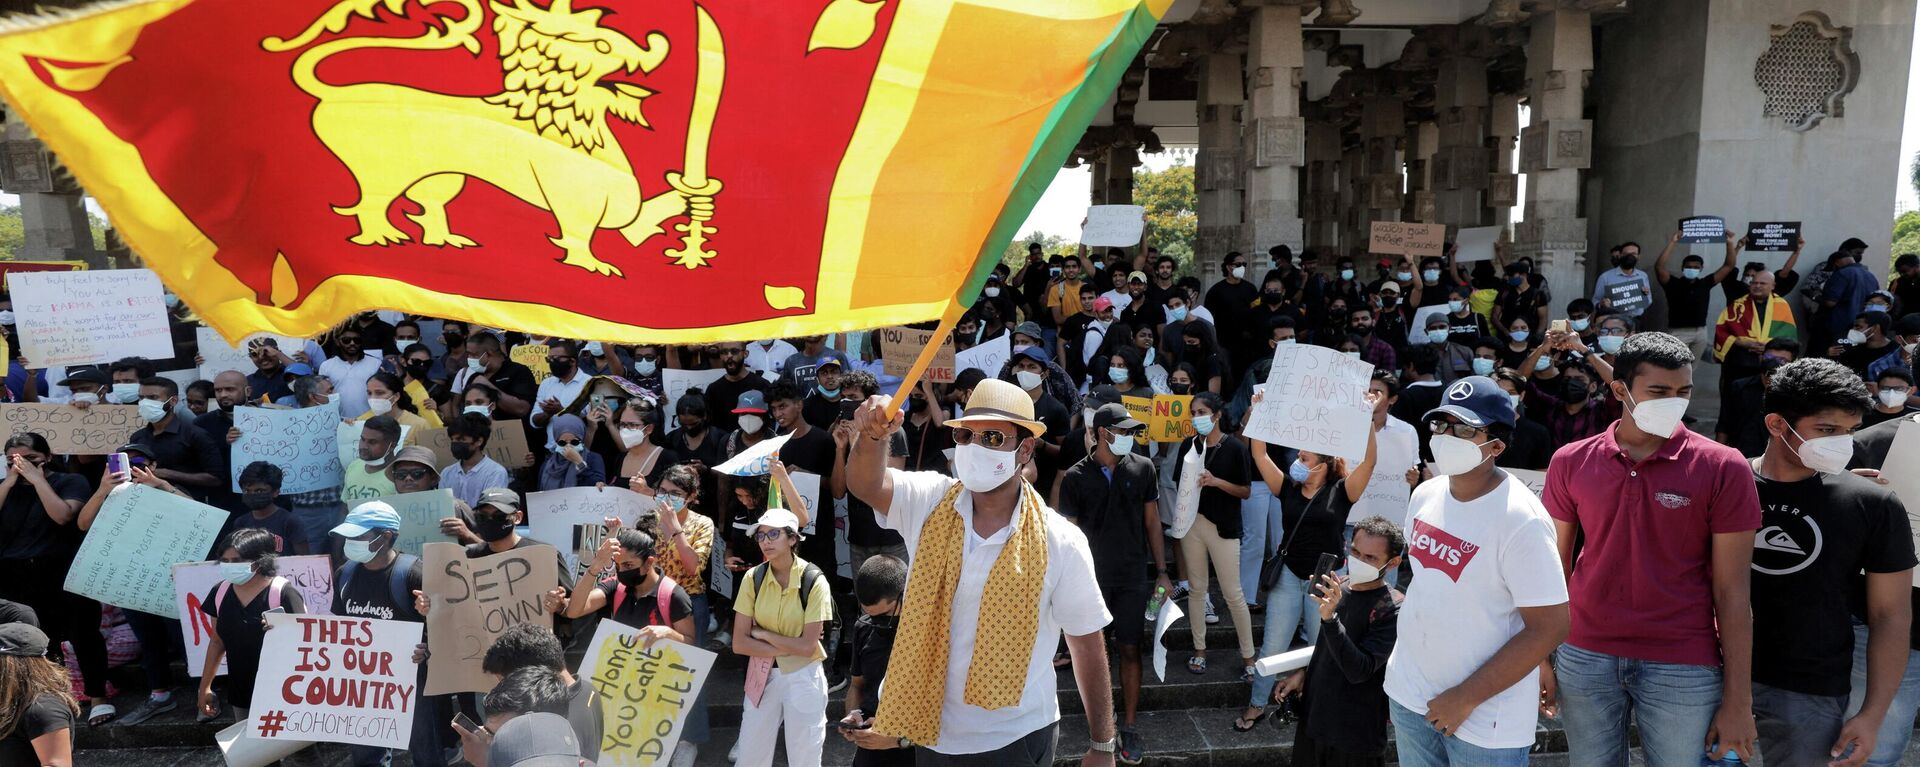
507 446
1404 238
69 430
128 555
337 680
1315 400
573 519
94 316
303 443
646 693
474 600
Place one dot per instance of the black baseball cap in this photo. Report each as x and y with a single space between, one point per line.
1477 401
1104 394
1114 416
93 376
22 639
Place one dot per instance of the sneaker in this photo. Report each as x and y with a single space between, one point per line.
220 706
836 681
151 708
685 754
1131 750
733 754
1179 591
1212 617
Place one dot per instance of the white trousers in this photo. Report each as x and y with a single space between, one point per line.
798 701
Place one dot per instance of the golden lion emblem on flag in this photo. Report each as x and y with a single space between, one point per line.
543 138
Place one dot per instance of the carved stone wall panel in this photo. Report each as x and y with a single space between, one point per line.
1461 167
1280 141
1556 145
1503 190
1218 169
1807 70
1383 191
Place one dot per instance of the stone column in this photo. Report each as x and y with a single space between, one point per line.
1274 140
1218 171
1461 165
1322 204
1555 146
51 208
1423 139
1119 166
1503 129
1382 124
1097 184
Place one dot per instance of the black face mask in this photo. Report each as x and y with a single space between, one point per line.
454 340
492 529
1629 262
916 404
1180 388
631 578
561 367
461 451
1272 298
256 501
419 367
1576 391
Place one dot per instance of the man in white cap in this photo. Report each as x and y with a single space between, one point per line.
997 577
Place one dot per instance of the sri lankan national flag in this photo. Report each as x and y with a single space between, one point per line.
666 170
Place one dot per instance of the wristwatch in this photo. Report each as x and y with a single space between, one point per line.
1105 746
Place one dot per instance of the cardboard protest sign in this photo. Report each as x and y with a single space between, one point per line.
128 555
336 680
1387 491
1407 238
1627 297
646 692
987 356
507 445
1166 417
473 601
96 430
1475 243
1904 454
94 316
303 443
753 461
1113 226
573 519
420 515
217 356
677 382
1703 229
534 356
1315 400
1773 236
312 575
899 347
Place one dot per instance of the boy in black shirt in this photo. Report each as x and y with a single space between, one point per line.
259 487
1343 704
879 584
1821 526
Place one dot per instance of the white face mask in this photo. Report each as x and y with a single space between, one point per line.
1827 455
330 398
1359 572
236 573
124 393
1659 417
1891 398
1121 445
1028 379
358 551
1856 336
153 410
1453 455
380 406
478 410
634 437
752 424
6 317
992 292
1612 344
474 367
1239 272
86 397
983 469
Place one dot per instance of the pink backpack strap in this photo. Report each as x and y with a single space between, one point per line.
619 598
665 596
274 588
220 595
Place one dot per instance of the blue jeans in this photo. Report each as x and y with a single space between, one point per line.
1795 727
1672 703
1898 729
1289 606
1422 746
1259 516
696 728
319 522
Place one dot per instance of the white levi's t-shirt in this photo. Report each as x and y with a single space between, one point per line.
1475 565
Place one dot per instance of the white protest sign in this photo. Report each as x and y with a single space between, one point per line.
1113 226
127 557
241 751
573 519
753 461
1315 400
311 575
987 356
1417 330
677 382
1904 455
1475 243
1169 612
301 442
1536 481
1387 491
645 690
91 316
809 487
217 356
336 680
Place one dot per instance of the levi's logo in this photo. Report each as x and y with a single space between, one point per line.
1441 550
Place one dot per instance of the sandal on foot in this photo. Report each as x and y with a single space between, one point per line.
1243 724
1062 660
101 713
1197 664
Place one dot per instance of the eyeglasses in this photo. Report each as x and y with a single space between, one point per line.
568 442
411 474
1455 428
1613 331
352 340
993 440
625 425
1123 432
769 536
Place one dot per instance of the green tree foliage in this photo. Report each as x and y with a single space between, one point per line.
1172 207
1906 236
1053 244
13 232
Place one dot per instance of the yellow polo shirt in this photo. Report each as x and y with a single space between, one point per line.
777 609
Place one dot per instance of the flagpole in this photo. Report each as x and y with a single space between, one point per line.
947 322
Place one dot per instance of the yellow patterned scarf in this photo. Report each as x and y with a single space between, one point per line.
1009 618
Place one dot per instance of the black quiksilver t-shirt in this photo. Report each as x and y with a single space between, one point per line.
1815 535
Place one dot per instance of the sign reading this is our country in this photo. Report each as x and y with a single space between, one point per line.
93 316
94 430
1773 236
474 600
336 680
1703 229
1315 400
303 443
128 555
899 347
646 689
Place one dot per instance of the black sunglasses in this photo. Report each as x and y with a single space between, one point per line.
411 474
993 440
1455 428
568 442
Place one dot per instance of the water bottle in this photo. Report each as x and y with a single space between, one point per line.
1153 605
1731 759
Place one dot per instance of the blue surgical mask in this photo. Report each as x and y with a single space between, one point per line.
1691 272
1403 276
828 393
1611 344
672 503
1121 444
1177 314
1546 361
1284 342
1430 275
1299 471
1456 306
1203 424
1579 325
646 367
1520 335
1438 335
1482 366
236 573
1117 375
1876 307
1346 274
1352 355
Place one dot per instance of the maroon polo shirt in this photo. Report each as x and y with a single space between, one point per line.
1642 584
